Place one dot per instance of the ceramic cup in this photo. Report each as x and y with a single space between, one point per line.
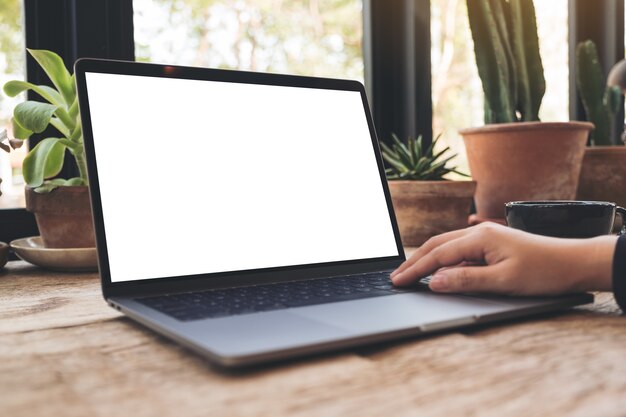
573 219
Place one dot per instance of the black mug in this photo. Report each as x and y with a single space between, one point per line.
572 219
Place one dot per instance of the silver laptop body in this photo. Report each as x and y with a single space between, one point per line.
209 182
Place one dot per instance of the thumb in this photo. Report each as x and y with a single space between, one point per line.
466 279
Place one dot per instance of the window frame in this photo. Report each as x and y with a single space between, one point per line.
396 52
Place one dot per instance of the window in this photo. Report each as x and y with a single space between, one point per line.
456 87
317 37
313 37
11 67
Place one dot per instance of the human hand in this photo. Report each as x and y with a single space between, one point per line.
491 258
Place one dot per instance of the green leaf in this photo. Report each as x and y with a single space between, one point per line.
54 67
74 109
15 87
395 163
60 126
386 149
438 154
73 83
439 165
75 181
44 161
460 173
401 150
50 185
19 131
33 115
429 151
403 155
422 164
417 145
46 188
65 118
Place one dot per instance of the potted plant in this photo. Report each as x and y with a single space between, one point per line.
61 206
425 203
603 174
515 156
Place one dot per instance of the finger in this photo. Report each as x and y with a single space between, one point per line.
464 263
428 246
453 252
482 279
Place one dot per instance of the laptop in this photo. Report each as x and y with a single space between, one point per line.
247 215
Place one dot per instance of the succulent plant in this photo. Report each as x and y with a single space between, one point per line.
600 101
410 161
45 160
508 60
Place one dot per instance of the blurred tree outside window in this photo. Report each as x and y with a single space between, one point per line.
456 88
12 55
305 37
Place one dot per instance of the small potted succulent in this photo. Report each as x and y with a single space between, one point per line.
425 203
61 206
603 174
515 156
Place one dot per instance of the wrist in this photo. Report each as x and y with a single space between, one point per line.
595 272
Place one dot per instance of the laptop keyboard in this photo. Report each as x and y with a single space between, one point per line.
257 298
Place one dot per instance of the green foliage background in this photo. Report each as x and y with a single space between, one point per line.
266 33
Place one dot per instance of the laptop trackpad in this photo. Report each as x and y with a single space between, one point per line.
400 311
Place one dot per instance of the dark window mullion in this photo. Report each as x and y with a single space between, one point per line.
397 66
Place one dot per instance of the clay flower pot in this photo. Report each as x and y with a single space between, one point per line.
428 208
524 161
603 175
63 216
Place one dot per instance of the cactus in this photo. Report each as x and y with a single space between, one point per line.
600 102
508 60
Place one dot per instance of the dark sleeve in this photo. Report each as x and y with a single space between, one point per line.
619 272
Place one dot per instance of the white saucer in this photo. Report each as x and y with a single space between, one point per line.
31 249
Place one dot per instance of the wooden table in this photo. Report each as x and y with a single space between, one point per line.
64 352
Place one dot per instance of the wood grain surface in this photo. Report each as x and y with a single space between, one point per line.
64 352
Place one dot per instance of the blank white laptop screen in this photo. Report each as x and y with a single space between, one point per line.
202 177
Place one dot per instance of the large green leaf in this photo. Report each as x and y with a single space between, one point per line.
33 115
54 67
73 111
19 131
15 87
44 161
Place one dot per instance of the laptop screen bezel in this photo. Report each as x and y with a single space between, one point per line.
221 279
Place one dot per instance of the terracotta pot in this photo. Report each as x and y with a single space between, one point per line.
524 161
63 216
603 175
428 208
